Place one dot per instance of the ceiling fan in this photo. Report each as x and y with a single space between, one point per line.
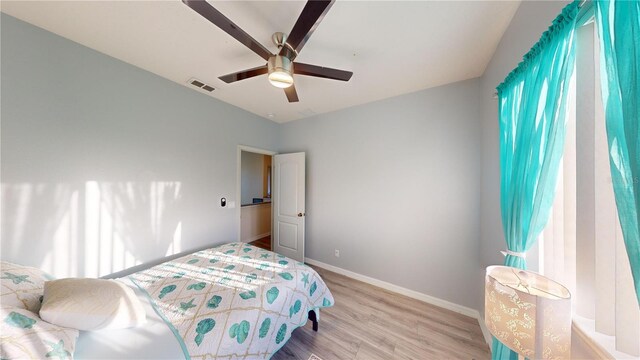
281 66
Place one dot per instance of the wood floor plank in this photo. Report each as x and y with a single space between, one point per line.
370 352
363 332
370 323
264 243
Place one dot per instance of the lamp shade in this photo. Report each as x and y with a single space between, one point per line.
527 312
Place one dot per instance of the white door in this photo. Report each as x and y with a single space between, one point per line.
288 205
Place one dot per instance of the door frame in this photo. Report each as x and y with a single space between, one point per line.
256 150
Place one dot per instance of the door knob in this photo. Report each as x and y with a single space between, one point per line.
300 214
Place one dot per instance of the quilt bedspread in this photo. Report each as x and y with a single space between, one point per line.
234 301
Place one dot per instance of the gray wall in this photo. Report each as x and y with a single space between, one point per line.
252 176
528 24
105 165
394 185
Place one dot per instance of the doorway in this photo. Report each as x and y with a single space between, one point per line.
255 182
272 213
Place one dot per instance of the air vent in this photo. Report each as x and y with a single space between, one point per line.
197 83
200 85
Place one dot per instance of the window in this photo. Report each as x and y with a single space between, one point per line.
582 245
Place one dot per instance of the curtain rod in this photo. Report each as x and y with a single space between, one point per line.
584 14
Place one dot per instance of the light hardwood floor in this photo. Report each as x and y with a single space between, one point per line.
370 323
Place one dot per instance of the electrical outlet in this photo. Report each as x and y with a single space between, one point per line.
337 253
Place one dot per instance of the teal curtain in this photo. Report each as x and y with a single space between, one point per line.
619 32
532 112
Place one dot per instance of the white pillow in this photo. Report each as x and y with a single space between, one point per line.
26 336
91 304
21 286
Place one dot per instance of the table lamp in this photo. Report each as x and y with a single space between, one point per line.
528 313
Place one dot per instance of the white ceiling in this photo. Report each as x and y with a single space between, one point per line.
392 47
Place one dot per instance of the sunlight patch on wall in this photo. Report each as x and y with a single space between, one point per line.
63 257
90 229
176 244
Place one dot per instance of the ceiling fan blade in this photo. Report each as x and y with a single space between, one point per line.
311 16
210 13
321 72
245 74
292 95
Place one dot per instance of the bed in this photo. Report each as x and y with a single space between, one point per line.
234 301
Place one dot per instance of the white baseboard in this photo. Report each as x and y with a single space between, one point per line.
397 289
408 292
257 237
488 338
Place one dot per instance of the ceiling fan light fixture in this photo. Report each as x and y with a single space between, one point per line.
281 79
280 71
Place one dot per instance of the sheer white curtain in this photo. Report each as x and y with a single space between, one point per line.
582 245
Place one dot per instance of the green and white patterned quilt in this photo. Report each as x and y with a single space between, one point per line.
234 301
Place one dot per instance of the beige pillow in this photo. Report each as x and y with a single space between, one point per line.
91 304
25 336
21 286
